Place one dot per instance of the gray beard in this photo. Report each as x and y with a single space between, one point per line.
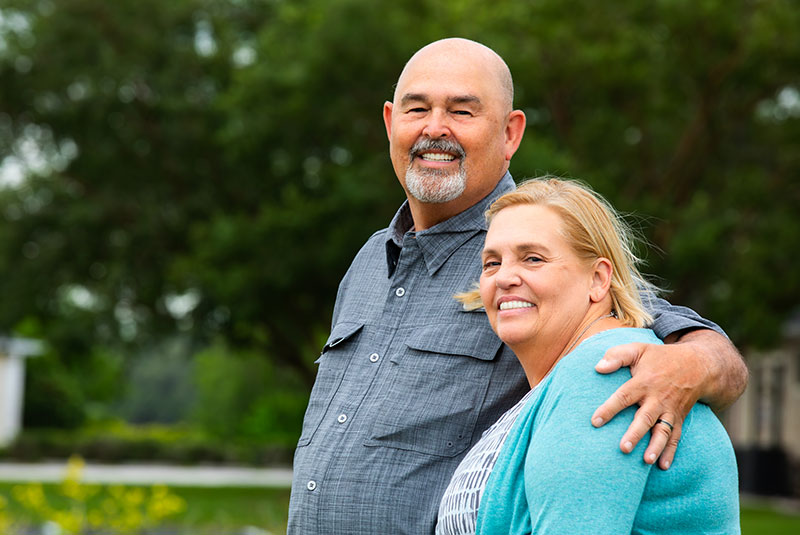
435 186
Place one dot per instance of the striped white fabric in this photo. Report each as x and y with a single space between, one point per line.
458 510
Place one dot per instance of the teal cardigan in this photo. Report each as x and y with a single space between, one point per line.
558 474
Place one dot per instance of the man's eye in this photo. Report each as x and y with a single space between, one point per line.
534 259
490 264
417 110
462 112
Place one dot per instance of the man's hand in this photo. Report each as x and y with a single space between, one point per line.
667 381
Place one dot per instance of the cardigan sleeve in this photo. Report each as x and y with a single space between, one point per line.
557 473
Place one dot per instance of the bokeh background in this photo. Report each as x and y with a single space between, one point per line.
183 184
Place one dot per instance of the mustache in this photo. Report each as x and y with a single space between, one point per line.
444 145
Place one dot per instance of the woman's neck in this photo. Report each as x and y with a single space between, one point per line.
540 356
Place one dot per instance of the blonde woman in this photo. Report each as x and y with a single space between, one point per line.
560 286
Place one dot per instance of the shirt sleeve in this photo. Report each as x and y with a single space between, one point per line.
669 318
575 476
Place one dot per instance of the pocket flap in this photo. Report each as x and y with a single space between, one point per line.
341 332
456 339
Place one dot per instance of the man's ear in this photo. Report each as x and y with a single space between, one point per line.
387 118
515 128
601 279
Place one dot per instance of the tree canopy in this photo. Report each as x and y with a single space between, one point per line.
211 167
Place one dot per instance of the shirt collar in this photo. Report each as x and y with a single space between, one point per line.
442 240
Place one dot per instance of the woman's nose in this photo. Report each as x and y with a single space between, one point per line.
507 277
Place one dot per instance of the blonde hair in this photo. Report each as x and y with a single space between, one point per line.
594 230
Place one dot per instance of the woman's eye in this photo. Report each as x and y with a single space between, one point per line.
533 259
489 264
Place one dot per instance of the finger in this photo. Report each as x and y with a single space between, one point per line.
643 421
619 356
672 445
625 396
659 437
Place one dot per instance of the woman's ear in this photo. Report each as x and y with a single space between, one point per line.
601 279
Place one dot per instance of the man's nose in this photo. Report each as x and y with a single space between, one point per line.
438 125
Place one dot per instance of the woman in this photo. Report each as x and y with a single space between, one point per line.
560 286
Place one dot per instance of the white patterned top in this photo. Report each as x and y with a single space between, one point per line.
458 510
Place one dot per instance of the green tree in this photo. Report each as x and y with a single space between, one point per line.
211 167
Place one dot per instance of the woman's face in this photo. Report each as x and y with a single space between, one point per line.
533 286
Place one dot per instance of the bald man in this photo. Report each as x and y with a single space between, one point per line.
408 380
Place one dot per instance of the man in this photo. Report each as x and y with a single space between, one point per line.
408 380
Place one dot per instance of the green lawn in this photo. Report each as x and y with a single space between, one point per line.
230 511
231 508
217 511
761 519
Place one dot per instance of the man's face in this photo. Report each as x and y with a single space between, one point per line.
447 129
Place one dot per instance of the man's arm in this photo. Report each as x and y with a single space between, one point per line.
667 381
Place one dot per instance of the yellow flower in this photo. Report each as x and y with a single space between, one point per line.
75 466
96 518
134 497
30 495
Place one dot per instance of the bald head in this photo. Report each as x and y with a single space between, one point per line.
451 51
451 127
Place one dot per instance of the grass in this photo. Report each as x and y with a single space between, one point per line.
230 511
760 518
234 508
217 511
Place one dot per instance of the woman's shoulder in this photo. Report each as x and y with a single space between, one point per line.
617 336
575 375
593 348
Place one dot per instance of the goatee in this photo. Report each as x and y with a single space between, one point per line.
436 185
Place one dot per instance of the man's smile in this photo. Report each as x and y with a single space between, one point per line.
437 157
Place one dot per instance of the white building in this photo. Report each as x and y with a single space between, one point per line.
13 352
764 424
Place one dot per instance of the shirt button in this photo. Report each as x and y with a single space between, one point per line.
311 485
400 292
374 357
342 418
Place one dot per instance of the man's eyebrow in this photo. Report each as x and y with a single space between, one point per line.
413 97
464 99
422 97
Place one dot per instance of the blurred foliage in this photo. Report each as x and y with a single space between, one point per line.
83 508
209 168
53 396
159 386
117 441
209 510
241 396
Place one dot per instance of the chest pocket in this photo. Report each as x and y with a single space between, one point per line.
332 365
435 388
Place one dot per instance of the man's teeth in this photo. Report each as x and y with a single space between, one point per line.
508 305
437 157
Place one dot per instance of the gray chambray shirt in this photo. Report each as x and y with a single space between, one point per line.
407 381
